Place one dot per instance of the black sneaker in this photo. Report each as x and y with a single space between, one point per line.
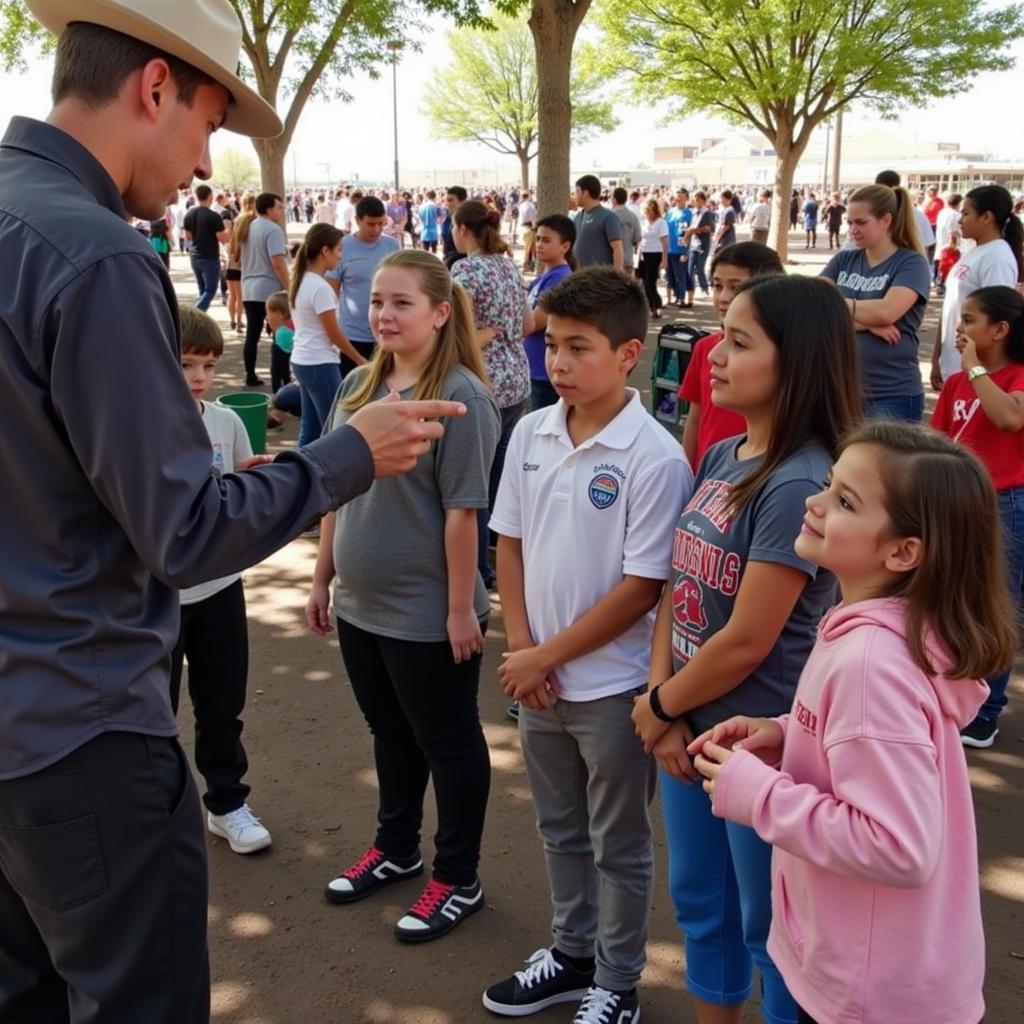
981 733
546 982
371 872
438 910
600 1006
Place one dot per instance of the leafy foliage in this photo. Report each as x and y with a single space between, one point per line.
488 94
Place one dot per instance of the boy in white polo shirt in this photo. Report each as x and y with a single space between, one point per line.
585 513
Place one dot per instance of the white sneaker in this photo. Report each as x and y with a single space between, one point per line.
241 828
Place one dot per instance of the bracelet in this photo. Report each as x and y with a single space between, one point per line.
659 711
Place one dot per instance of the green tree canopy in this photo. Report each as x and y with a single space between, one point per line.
785 66
488 93
235 169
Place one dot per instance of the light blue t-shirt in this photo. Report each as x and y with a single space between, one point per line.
355 271
428 221
678 221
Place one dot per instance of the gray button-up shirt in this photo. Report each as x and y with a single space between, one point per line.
109 502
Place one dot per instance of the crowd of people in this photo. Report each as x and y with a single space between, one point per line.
788 623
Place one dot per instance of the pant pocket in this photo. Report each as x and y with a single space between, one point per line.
56 866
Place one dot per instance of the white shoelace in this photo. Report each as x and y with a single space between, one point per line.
542 966
241 818
597 1007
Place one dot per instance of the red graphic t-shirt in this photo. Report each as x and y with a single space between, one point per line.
959 415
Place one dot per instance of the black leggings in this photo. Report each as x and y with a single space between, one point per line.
255 318
650 265
422 711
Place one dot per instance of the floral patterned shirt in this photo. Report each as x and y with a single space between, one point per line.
499 301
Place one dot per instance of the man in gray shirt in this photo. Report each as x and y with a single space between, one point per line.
632 233
598 234
264 262
111 505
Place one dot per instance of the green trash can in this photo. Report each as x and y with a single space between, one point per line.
252 408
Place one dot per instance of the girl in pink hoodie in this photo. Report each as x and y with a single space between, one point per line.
863 788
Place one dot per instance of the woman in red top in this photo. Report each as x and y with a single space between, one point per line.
982 407
706 423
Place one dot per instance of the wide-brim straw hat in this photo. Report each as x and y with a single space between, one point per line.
203 33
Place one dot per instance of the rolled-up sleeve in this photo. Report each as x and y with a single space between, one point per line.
118 390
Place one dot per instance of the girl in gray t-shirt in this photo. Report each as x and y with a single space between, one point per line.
410 604
740 610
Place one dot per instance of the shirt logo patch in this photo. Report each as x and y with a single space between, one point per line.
603 490
688 604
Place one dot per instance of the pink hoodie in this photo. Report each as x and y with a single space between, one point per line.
876 913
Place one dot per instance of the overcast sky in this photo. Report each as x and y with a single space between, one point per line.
356 138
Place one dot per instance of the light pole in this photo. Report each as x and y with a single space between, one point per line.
395 45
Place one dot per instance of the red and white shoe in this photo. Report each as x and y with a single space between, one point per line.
371 872
438 910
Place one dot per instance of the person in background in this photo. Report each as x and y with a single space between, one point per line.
429 217
455 195
707 423
282 329
205 230
678 218
630 227
811 221
654 255
699 237
834 213
761 217
598 230
555 236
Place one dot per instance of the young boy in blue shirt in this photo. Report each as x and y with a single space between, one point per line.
213 635
585 513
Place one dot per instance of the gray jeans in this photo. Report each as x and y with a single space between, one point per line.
592 785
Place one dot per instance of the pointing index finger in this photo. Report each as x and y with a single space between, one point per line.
432 410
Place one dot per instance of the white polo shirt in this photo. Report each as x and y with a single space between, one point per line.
587 517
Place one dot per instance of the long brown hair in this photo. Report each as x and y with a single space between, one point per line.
896 202
318 238
938 491
819 396
483 223
456 343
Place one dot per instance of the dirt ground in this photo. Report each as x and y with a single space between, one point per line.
282 955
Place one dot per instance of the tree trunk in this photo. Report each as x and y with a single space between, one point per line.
524 168
837 151
554 24
271 153
786 159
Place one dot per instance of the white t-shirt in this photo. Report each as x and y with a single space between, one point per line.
924 227
343 208
946 225
527 213
230 445
761 217
654 231
989 264
588 516
312 346
347 218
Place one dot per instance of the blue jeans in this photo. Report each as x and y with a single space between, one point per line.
678 275
318 385
207 273
1011 512
903 407
697 276
720 880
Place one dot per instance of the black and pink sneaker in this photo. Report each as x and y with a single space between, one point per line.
438 910
371 872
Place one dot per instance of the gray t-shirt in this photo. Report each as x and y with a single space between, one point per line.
888 371
259 280
632 233
596 229
710 552
389 554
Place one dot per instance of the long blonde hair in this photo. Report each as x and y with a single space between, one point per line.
456 343
240 231
897 203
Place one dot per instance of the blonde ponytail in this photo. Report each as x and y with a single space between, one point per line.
882 200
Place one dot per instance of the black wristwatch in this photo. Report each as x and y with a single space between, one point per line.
659 711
